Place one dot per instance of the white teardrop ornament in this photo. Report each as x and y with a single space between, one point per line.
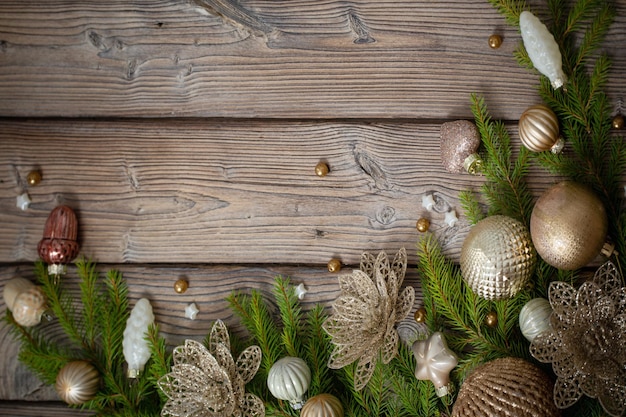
288 380
136 349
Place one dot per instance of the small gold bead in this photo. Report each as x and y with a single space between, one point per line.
181 286
618 122
334 265
321 169
491 319
33 178
495 41
420 315
422 225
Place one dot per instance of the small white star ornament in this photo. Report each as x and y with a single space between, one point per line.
434 362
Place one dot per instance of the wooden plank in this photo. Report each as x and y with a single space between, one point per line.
209 285
39 409
296 59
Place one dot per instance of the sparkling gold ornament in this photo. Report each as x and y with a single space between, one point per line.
495 41
497 257
506 387
459 142
33 178
321 169
29 306
618 122
77 382
420 315
334 265
539 129
568 225
180 286
322 405
422 225
491 319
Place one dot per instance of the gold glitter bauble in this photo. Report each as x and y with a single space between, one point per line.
77 382
422 225
495 41
618 122
334 265
321 169
491 319
181 286
497 257
420 315
506 387
33 178
568 225
322 405
539 129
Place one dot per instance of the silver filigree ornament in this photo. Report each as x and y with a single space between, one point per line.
362 325
586 342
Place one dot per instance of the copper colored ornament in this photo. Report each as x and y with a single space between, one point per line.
459 142
322 405
422 225
491 319
618 122
181 286
334 265
420 315
77 382
33 178
495 41
539 129
568 225
59 245
29 306
506 387
321 169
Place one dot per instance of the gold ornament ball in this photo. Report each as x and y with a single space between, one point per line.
322 405
420 315
77 382
33 178
491 319
181 286
321 169
334 265
495 41
422 225
568 225
618 122
539 129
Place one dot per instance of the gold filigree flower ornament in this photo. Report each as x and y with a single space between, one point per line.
362 325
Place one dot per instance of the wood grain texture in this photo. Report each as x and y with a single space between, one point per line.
39 409
296 59
208 287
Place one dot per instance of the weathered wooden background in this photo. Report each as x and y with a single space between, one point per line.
185 135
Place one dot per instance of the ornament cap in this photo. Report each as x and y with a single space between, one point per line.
473 164
442 391
558 146
133 373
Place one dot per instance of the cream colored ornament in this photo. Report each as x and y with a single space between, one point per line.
434 362
135 345
322 405
29 306
77 382
12 288
497 257
289 379
534 318
539 129
542 49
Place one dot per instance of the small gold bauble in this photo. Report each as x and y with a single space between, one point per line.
77 382
420 315
321 169
422 225
322 405
181 286
495 41
33 178
618 122
539 129
334 265
491 319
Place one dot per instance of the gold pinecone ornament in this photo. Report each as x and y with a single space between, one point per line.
497 257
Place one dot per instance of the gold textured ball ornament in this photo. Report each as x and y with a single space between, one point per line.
495 41
34 178
422 225
491 319
322 405
77 382
334 265
506 387
321 169
180 286
420 315
618 122
539 129
568 225
497 257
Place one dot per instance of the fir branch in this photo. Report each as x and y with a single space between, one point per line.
92 301
510 9
113 319
161 360
595 33
291 315
318 350
471 207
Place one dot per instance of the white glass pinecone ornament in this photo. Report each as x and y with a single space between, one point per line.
497 257
135 345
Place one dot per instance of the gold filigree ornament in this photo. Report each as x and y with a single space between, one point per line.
209 382
586 342
362 324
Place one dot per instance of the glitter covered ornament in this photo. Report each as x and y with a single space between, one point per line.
506 387
497 257
568 225
459 141
77 382
539 129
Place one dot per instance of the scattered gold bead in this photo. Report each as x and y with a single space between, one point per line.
491 319
495 41
422 225
33 178
334 265
420 315
321 169
181 286
618 122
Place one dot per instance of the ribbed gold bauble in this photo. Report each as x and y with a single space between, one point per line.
568 225
506 387
539 129
497 257
77 382
322 405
